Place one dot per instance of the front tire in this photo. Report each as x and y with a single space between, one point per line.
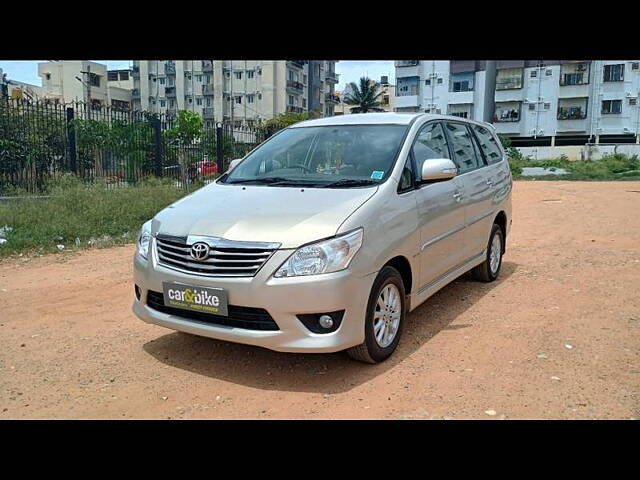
386 312
489 270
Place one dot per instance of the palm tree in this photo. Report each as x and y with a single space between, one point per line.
365 98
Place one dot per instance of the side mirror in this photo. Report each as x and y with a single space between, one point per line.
438 169
233 164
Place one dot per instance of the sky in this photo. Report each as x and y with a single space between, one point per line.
349 71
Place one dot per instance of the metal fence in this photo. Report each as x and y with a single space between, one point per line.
41 140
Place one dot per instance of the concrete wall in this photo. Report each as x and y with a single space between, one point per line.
579 152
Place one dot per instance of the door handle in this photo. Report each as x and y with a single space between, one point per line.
457 196
489 183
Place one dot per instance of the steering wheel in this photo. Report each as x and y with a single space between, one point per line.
299 165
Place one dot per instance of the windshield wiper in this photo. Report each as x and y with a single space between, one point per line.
350 182
265 180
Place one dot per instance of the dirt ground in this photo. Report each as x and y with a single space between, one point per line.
558 336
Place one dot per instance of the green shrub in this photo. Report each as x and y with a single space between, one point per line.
97 214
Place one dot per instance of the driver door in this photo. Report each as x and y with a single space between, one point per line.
440 213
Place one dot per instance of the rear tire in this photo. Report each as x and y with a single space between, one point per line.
489 270
386 312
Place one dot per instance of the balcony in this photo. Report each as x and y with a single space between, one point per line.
207 66
331 98
509 83
207 89
170 92
207 113
407 63
405 101
294 109
169 68
572 112
297 63
295 86
135 93
331 77
507 113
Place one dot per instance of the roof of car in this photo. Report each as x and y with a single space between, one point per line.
386 118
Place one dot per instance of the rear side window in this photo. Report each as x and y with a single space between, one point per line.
430 142
488 144
462 145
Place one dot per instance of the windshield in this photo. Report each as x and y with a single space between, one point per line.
337 156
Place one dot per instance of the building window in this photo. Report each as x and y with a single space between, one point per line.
259 96
47 76
162 81
462 86
124 75
112 76
548 73
614 73
611 106
190 100
633 101
208 101
385 99
238 99
198 101
460 114
509 79
427 82
172 104
249 98
304 102
163 103
238 75
635 65
249 73
198 78
439 81
207 79
532 106
291 100
534 73
304 79
94 80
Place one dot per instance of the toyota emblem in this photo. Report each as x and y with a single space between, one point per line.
199 251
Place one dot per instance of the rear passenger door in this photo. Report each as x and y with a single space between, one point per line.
497 165
476 187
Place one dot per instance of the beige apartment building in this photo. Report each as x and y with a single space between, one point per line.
85 81
387 97
241 91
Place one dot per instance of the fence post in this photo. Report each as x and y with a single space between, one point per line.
219 148
71 141
157 135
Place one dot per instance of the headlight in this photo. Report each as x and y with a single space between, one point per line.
144 239
325 256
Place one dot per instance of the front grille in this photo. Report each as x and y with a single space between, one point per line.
226 258
249 318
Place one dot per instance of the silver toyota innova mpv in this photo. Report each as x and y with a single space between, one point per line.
325 236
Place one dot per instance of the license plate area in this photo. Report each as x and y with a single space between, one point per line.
195 298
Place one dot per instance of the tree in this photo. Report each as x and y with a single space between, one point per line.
186 132
364 98
284 120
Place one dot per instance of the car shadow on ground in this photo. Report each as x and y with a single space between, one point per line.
332 373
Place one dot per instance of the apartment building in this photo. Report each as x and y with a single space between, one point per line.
462 88
387 97
241 91
564 102
82 80
535 102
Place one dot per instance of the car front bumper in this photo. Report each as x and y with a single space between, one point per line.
283 298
